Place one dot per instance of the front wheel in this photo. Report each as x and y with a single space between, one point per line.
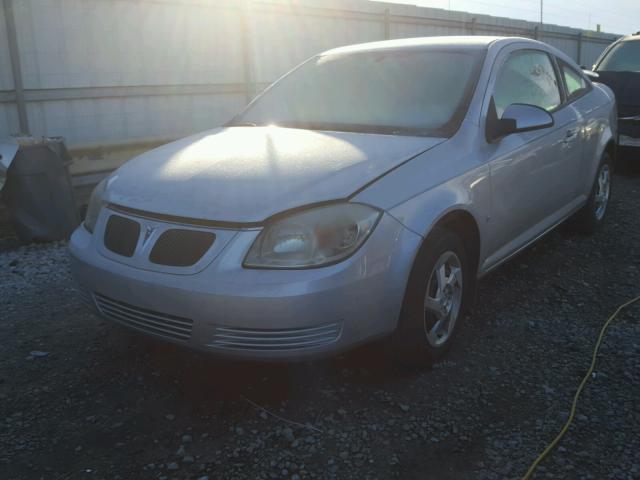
592 215
435 300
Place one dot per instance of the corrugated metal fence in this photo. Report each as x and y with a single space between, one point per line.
109 72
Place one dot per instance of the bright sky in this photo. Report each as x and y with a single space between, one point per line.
614 16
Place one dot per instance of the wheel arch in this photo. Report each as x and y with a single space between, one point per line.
611 148
463 223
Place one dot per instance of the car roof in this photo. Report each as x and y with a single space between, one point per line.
468 42
631 38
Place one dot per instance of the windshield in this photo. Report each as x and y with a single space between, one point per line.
623 57
423 92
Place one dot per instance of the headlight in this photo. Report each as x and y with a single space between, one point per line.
313 238
95 204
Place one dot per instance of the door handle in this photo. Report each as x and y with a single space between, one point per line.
571 134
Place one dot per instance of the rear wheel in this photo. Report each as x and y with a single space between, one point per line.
435 300
592 215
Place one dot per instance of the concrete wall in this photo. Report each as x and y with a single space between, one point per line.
113 72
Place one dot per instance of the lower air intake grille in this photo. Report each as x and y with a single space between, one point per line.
170 326
181 248
86 297
275 339
121 235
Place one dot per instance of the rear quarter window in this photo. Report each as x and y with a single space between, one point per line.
575 82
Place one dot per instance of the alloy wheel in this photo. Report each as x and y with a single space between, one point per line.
443 299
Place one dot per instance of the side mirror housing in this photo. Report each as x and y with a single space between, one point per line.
591 74
517 118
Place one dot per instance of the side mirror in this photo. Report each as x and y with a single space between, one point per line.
517 118
591 74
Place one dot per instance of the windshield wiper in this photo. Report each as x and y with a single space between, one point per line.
358 128
342 127
242 124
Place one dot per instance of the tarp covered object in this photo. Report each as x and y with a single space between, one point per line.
37 188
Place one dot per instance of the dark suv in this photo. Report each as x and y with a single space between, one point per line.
619 68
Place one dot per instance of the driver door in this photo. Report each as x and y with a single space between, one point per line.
532 173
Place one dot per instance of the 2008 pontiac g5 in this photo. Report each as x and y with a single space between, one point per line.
359 197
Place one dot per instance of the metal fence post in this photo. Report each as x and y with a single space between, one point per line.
247 50
472 27
579 53
16 68
387 24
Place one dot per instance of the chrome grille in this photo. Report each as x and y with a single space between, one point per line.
121 235
275 339
162 324
181 248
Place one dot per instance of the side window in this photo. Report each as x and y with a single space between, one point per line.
575 82
622 57
527 76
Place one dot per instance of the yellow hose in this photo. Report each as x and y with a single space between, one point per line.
564 429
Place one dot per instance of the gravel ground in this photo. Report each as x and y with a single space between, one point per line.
81 398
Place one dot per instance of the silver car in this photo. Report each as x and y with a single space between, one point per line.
361 196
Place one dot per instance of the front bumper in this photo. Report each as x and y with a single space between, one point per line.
246 313
629 132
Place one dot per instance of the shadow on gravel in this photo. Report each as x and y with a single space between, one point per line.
205 378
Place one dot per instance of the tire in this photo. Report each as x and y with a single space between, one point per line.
591 217
442 260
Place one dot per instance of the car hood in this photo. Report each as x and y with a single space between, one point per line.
626 86
247 174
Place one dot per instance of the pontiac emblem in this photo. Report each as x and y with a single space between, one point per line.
147 233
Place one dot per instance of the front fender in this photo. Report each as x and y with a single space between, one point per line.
470 193
452 176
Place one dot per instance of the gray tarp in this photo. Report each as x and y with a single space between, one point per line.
8 149
36 188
